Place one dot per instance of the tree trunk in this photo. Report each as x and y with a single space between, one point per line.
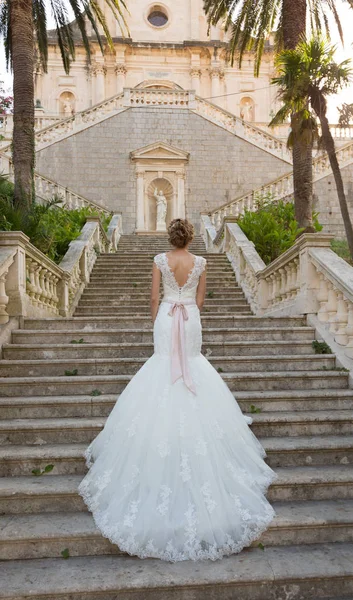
22 40
331 151
294 27
293 22
303 185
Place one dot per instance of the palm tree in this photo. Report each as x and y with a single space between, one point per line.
249 22
23 27
307 76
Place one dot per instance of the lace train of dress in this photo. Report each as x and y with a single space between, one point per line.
177 474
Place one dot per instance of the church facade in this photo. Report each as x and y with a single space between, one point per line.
174 129
166 45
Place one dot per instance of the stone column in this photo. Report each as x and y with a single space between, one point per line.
181 196
216 76
140 204
195 74
120 71
100 83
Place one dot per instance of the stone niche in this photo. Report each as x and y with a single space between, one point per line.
159 168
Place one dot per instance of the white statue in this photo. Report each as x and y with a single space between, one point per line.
161 203
67 108
246 112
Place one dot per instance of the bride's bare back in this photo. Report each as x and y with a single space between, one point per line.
181 264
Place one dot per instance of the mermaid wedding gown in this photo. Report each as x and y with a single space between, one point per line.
176 472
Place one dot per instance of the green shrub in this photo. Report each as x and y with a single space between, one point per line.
272 227
50 227
341 248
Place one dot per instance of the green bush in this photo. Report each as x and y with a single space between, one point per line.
50 227
341 248
272 227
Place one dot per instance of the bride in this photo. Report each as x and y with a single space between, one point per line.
176 472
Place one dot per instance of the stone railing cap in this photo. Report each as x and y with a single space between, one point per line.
13 238
306 240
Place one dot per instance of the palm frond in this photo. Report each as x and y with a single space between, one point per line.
40 26
249 23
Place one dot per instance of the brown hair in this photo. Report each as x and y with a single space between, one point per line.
181 232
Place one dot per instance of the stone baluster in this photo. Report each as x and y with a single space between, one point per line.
331 307
44 298
349 331
341 320
4 299
322 298
282 283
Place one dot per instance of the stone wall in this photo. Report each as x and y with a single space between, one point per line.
327 205
96 163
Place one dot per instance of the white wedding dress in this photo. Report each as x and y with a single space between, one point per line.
176 472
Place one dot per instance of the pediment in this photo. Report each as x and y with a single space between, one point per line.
159 151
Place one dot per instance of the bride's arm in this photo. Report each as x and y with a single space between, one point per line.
201 291
156 279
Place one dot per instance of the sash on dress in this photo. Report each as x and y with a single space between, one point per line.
179 366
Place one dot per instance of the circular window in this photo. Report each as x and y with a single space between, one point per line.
157 17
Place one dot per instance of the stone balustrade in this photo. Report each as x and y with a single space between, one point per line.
308 279
162 98
46 189
136 97
281 131
41 121
280 189
53 128
32 285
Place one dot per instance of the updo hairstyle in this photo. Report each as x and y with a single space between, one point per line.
181 232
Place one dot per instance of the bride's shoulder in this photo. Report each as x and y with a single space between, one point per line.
200 263
159 259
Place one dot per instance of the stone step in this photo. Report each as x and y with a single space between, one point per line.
278 573
308 451
142 258
295 400
212 335
214 279
142 271
288 572
67 430
47 494
100 405
141 305
113 384
306 423
228 321
111 310
45 535
145 349
96 292
68 459
129 366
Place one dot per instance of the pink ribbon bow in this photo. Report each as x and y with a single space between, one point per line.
180 366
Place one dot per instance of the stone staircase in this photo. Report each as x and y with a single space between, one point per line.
61 378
